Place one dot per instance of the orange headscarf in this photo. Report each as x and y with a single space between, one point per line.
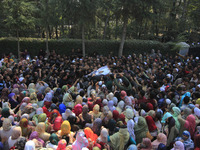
65 128
90 134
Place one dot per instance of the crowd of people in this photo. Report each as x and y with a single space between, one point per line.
146 102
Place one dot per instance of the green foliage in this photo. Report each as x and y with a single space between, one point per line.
18 14
103 47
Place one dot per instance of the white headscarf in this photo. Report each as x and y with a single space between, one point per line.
130 126
30 145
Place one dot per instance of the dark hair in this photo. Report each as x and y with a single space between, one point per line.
142 93
186 100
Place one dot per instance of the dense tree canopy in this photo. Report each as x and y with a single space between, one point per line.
171 20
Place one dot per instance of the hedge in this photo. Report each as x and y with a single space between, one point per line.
64 46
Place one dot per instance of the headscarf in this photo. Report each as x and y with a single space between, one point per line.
151 124
34 135
39 111
166 115
147 143
62 108
22 107
110 96
81 141
105 102
197 112
120 106
5 112
177 112
115 100
132 147
25 116
151 113
26 100
42 117
90 134
30 145
7 124
190 124
122 118
79 100
183 96
45 110
105 110
21 143
97 126
54 139
115 114
67 113
24 125
55 113
16 133
5 105
104 135
161 138
129 113
162 146
178 146
120 139
128 101
111 105
57 123
140 129
40 128
188 144
130 126
67 100
33 98
186 112
95 111
48 97
78 109
65 128
62 145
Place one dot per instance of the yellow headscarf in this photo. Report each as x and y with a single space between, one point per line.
40 128
65 128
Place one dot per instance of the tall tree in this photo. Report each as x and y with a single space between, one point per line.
19 16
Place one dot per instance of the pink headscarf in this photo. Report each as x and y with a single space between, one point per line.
57 123
78 109
34 135
161 138
81 141
147 143
190 124
62 145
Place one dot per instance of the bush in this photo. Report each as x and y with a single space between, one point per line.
64 46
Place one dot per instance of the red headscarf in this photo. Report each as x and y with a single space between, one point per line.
115 114
45 110
78 109
47 104
55 113
190 124
151 124
122 118
57 123
149 106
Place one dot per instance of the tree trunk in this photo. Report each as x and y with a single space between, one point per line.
56 32
18 44
116 28
106 23
83 40
47 43
123 38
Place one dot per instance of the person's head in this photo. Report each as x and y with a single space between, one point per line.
185 135
141 93
186 100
